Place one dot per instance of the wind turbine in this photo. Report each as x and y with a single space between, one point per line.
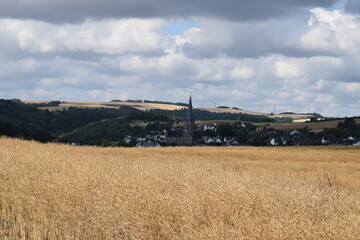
107 93
274 109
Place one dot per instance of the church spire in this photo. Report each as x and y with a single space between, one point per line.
189 114
189 124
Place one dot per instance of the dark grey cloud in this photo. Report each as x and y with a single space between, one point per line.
70 10
353 6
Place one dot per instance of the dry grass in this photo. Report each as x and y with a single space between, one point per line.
230 110
114 105
314 126
51 191
148 106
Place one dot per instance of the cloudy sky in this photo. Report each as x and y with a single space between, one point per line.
302 55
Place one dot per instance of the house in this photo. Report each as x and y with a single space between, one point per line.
294 133
209 140
242 125
128 139
211 126
228 139
183 136
348 140
329 139
212 140
277 141
298 138
148 144
160 138
140 139
301 141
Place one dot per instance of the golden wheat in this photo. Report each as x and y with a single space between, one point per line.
53 191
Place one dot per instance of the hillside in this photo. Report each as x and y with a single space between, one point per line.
145 106
26 121
231 110
66 192
313 126
112 105
90 125
115 130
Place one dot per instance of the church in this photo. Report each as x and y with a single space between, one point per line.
183 136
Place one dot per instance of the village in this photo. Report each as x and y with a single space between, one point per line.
271 138
234 134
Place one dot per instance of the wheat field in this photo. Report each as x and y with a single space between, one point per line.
54 191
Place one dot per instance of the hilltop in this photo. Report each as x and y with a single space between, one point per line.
137 104
147 105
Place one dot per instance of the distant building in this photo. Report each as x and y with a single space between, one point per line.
294 133
183 136
128 139
277 141
149 143
349 140
210 126
329 139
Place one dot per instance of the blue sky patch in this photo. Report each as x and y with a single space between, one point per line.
339 5
178 27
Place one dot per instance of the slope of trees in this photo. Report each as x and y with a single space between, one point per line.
116 129
206 115
26 121
345 128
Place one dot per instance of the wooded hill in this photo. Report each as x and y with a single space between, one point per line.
29 122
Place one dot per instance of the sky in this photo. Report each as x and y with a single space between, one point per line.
301 55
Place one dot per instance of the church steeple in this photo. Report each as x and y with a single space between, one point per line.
189 124
189 114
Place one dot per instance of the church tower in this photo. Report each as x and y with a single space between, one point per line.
189 124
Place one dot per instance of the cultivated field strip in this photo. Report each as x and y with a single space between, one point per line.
53 191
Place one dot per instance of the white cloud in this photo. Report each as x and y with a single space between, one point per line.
287 70
241 73
334 32
56 82
40 92
48 82
176 63
104 37
28 65
95 94
71 81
